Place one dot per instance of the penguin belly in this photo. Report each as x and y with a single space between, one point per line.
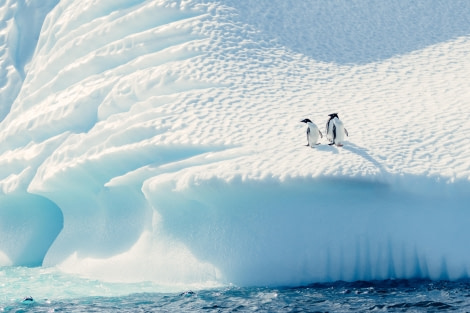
313 134
340 133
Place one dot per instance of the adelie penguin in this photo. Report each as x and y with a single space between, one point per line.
335 131
312 133
28 299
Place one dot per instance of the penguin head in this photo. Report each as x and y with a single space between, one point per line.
333 115
306 121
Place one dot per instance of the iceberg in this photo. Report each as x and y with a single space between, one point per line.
161 140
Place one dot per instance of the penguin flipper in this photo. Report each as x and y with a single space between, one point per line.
321 135
334 134
308 133
346 132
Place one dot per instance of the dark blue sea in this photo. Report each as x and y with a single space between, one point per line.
378 296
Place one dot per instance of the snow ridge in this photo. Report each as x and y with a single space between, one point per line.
20 25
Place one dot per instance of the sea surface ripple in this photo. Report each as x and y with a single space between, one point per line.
377 296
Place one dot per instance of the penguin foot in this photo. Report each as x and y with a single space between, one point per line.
330 144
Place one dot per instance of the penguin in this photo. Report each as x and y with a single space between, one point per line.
335 130
312 133
28 299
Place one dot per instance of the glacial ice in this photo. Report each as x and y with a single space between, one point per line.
29 224
160 140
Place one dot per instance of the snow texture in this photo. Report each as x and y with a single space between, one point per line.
161 140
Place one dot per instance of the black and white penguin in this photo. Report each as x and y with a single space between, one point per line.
335 131
312 133
28 299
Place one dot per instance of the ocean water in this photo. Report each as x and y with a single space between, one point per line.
53 291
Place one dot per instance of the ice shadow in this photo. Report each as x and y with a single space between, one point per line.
327 148
29 224
356 32
362 152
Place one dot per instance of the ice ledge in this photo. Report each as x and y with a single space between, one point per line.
303 230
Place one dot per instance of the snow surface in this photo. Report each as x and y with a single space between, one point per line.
161 140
